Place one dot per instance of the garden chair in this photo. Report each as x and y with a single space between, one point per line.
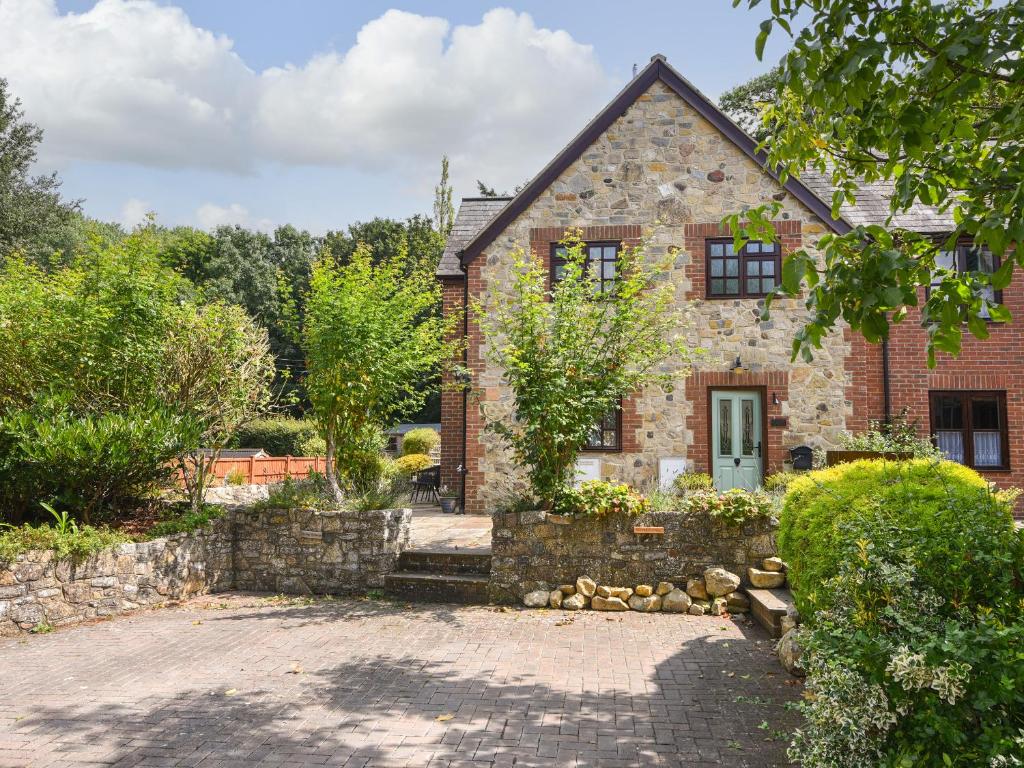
425 484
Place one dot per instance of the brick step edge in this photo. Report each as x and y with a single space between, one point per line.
768 606
418 587
445 562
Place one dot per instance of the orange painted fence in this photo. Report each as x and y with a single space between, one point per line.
268 469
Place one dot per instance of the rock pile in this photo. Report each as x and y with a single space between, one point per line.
715 593
771 574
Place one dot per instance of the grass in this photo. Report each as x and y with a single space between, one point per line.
185 522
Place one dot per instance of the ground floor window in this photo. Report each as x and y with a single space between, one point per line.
607 433
970 427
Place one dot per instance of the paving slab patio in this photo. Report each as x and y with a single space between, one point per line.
244 680
432 529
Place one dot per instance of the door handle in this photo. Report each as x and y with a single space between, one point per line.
736 461
757 449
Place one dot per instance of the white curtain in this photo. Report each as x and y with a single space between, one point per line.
951 444
987 449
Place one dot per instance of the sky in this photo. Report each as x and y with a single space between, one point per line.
321 113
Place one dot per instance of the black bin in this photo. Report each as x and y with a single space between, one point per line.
803 456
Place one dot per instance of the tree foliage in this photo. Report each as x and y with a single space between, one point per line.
569 354
372 338
444 211
929 97
34 218
746 102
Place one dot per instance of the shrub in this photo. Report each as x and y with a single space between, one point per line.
311 493
898 436
734 507
282 436
76 542
235 476
411 463
693 481
88 462
422 440
959 535
899 675
184 521
597 498
386 493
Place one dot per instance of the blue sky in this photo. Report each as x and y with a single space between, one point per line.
322 112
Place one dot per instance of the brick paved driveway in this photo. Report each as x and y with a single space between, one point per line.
241 680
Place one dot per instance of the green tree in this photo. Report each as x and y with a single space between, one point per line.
929 97
217 370
444 211
570 354
372 339
745 102
34 219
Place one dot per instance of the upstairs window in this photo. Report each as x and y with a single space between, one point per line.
601 262
966 259
970 428
752 272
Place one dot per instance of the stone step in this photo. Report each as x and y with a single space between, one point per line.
422 587
446 561
768 606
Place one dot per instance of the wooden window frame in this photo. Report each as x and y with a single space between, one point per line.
557 260
617 447
960 256
743 257
966 396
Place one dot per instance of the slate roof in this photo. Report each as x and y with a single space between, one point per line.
474 214
873 206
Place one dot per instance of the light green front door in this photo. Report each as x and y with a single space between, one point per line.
736 440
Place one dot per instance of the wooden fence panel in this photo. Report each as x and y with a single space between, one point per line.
267 469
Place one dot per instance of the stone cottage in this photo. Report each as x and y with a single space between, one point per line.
662 163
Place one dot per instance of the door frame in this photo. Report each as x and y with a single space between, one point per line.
762 390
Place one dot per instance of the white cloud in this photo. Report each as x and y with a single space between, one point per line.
210 216
133 212
133 81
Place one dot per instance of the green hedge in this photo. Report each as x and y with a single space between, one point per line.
282 436
941 514
421 440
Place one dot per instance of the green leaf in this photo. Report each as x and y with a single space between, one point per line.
762 38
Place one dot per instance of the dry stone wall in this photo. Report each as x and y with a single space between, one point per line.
535 550
290 551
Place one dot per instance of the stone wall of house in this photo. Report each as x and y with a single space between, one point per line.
663 169
288 551
535 550
37 589
305 551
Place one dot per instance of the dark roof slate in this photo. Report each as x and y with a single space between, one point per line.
474 214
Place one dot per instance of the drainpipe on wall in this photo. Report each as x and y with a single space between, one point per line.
886 390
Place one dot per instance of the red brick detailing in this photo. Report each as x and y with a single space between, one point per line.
694 236
630 426
865 392
542 238
698 389
474 418
451 398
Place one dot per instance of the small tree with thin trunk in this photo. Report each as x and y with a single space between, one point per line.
216 375
374 347
571 353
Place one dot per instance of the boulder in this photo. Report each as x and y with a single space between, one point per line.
676 601
623 593
645 604
555 598
567 590
645 590
586 586
719 581
789 652
575 602
603 591
599 603
765 579
719 606
773 564
737 602
790 620
664 587
696 609
696 589
538 598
